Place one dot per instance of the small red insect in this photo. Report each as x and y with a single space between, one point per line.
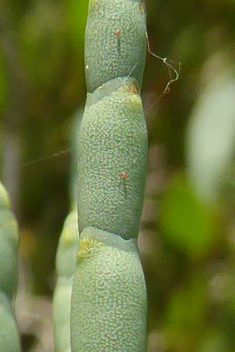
118 32
123 175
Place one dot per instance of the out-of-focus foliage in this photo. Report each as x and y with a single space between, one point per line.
185 222
3 86
211 132
187 239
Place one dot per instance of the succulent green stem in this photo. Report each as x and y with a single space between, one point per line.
65 268
9 241
109 304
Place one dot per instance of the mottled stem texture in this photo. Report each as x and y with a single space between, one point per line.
9 240
108 305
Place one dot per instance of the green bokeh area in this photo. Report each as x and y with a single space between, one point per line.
187 237
187 223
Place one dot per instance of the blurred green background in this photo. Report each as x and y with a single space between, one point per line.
187 238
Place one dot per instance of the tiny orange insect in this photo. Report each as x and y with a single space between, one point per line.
123 175
118 32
